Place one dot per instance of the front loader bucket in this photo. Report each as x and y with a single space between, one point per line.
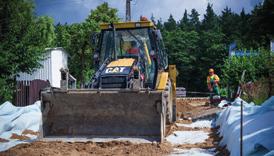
104 113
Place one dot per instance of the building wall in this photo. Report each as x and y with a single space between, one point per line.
58 61
43 73
55 59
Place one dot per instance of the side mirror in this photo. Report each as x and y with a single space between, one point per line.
94 38
158 34
96 60
96 56
165 52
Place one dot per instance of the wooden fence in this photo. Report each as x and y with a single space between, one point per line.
28 92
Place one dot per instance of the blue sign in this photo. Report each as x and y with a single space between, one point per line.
243 53
234 52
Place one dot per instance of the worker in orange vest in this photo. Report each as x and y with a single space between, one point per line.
213 82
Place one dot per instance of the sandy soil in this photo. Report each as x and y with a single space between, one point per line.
27 131
188 109
88 148
19 137
185 108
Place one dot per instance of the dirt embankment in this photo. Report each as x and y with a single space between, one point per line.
88 148
194 108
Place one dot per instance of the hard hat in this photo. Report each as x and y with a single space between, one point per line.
211 70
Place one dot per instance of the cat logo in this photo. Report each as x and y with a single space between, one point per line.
115 70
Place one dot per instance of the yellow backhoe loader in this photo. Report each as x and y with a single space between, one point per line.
132 93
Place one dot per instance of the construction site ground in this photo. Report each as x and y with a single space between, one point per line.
189 110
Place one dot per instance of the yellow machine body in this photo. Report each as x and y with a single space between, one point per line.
114 112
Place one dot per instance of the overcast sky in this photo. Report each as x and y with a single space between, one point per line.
75 11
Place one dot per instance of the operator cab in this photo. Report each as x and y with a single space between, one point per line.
137 40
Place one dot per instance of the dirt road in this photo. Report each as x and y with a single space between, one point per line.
186 109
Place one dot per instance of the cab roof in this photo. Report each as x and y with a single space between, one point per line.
126 25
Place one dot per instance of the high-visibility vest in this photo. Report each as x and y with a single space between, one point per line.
213 77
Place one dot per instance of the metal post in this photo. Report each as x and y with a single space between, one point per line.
114 43
239 90
241 131
128 10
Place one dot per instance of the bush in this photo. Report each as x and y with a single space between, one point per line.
256 92
256 66
6 91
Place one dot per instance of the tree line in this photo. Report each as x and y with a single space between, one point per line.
193 44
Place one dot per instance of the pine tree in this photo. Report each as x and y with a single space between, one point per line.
194 20
229 23
262 23
210 21
170 25
160 25
184 22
